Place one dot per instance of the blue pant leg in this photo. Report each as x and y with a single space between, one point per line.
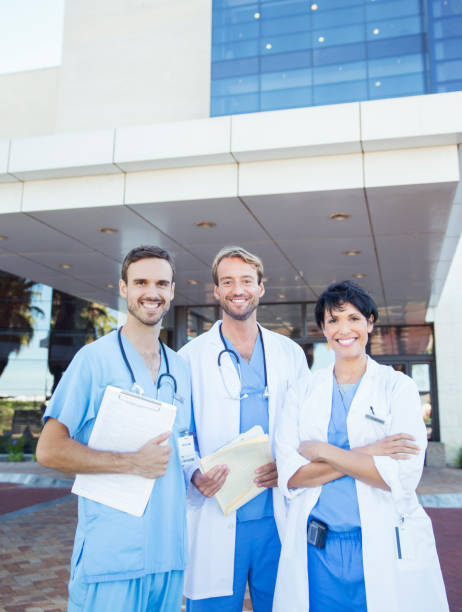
336 576
234 602
166 592
161 592
266 549
116 596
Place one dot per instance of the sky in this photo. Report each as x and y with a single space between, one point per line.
31 34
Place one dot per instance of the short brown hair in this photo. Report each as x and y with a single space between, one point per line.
146 252
240 253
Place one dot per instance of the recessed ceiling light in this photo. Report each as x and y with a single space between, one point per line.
375 31
205 224
191 281
282 296
314 7
110 285
256 15
339 216
107 230
266 279
3 237
268 46
359 275
321 39
352 252
378 83
65 266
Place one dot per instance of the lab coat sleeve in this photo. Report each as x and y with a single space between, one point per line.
287 438
403 476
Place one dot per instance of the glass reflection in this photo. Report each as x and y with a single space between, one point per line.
402 340
41 329
413 47
17 316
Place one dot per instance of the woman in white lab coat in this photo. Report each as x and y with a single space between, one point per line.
350 449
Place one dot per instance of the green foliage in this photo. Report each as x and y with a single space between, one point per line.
7 408
17 315
16 447
16 452
16 456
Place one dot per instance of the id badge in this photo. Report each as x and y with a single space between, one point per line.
405 543
186 448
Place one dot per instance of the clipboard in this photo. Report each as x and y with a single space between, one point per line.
125 422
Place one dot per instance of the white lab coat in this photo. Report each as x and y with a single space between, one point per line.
217 416
392 585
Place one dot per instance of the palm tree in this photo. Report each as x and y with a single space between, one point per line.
16 315
74 322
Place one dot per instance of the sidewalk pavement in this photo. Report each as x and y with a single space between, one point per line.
37 526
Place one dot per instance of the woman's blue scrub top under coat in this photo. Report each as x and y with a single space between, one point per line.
337 505
114 545
253 411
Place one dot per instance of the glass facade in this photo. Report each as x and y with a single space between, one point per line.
41 329
275 54
445 34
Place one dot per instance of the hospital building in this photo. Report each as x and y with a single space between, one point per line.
324 136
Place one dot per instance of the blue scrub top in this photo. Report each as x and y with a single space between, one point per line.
337 505
253 411
114 545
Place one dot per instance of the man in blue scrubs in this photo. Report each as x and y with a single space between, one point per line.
120 562
228 552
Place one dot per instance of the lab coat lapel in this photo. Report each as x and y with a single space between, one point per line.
364 395
275 373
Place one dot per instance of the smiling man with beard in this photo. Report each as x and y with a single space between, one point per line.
123 562
240 375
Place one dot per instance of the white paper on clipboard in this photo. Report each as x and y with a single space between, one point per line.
124 423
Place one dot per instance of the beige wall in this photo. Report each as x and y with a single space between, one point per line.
448 341
125 62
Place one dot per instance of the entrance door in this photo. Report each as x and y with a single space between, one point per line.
422 371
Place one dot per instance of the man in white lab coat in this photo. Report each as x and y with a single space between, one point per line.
240 375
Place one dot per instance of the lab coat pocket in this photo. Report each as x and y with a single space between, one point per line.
113 542
375 425
420 533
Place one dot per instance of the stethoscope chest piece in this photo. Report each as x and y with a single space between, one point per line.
234 356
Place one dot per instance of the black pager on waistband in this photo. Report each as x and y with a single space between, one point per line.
316 533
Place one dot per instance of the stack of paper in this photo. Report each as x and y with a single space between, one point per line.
243 456
124 423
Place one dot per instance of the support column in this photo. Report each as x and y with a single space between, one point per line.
180 330
448 339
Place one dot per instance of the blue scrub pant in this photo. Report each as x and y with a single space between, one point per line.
335 574
256 559
162 592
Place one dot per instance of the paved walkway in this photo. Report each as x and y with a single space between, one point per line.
37 529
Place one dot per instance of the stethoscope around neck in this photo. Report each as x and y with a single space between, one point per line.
233 355
166 376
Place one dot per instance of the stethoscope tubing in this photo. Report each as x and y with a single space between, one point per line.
238 359
166 374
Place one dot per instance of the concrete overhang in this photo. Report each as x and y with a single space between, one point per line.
269 181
